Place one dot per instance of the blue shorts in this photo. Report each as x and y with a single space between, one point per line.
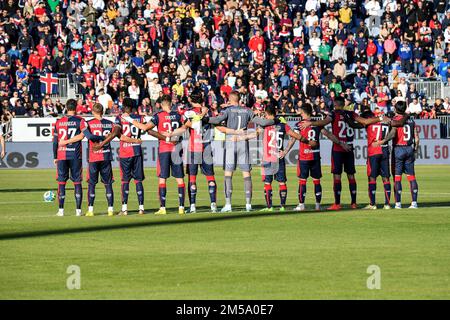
378 165
342 161
202 159
104 168
274 170
403 159
74 167
170 161
132 168
306 168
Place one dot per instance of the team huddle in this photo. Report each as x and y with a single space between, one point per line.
196 122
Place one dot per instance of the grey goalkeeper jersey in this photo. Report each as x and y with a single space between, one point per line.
237 118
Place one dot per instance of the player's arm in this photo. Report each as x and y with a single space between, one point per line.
391 135
108 138
129 139
288 148
150 125
263 122
55 144
219 119
335 140
318 123
399 123
416 139
2 143
368 121
230 131
299 137
142 126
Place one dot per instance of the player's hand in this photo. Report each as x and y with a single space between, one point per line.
313 143
55 162
346 147
239 132
2 155
305 124
386 120
97 146
62 143
259 130
378 143
281 154
167 134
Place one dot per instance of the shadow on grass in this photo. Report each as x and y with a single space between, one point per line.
30 190
238 213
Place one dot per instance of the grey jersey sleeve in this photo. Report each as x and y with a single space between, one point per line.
262 122
220 118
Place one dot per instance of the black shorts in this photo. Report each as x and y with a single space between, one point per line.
167 162
343 161
72 168
132 168
104 168
306 168
274 170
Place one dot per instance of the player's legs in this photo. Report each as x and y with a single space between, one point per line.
336 169
62 175
137 173
349 168
316 175
192 171
384 171
243 158
280 176
303 170
230 164
107 176
398 171
373 170
163 172
411 175
76 175
267 178
92 179
125 177
248 189
207 168
176 165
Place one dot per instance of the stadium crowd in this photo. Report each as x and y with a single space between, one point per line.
280 52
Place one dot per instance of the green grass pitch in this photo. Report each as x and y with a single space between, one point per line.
234 256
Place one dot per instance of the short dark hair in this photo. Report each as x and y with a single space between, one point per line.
307 108
127 105
339 102
166 98
71 105
400 107
270 110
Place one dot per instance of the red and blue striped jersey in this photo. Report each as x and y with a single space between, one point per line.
405 135
341 128
66 128
305 151
167 122
376 132
100 128
273 141
127 149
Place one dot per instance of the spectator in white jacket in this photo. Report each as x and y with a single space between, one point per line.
373 10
